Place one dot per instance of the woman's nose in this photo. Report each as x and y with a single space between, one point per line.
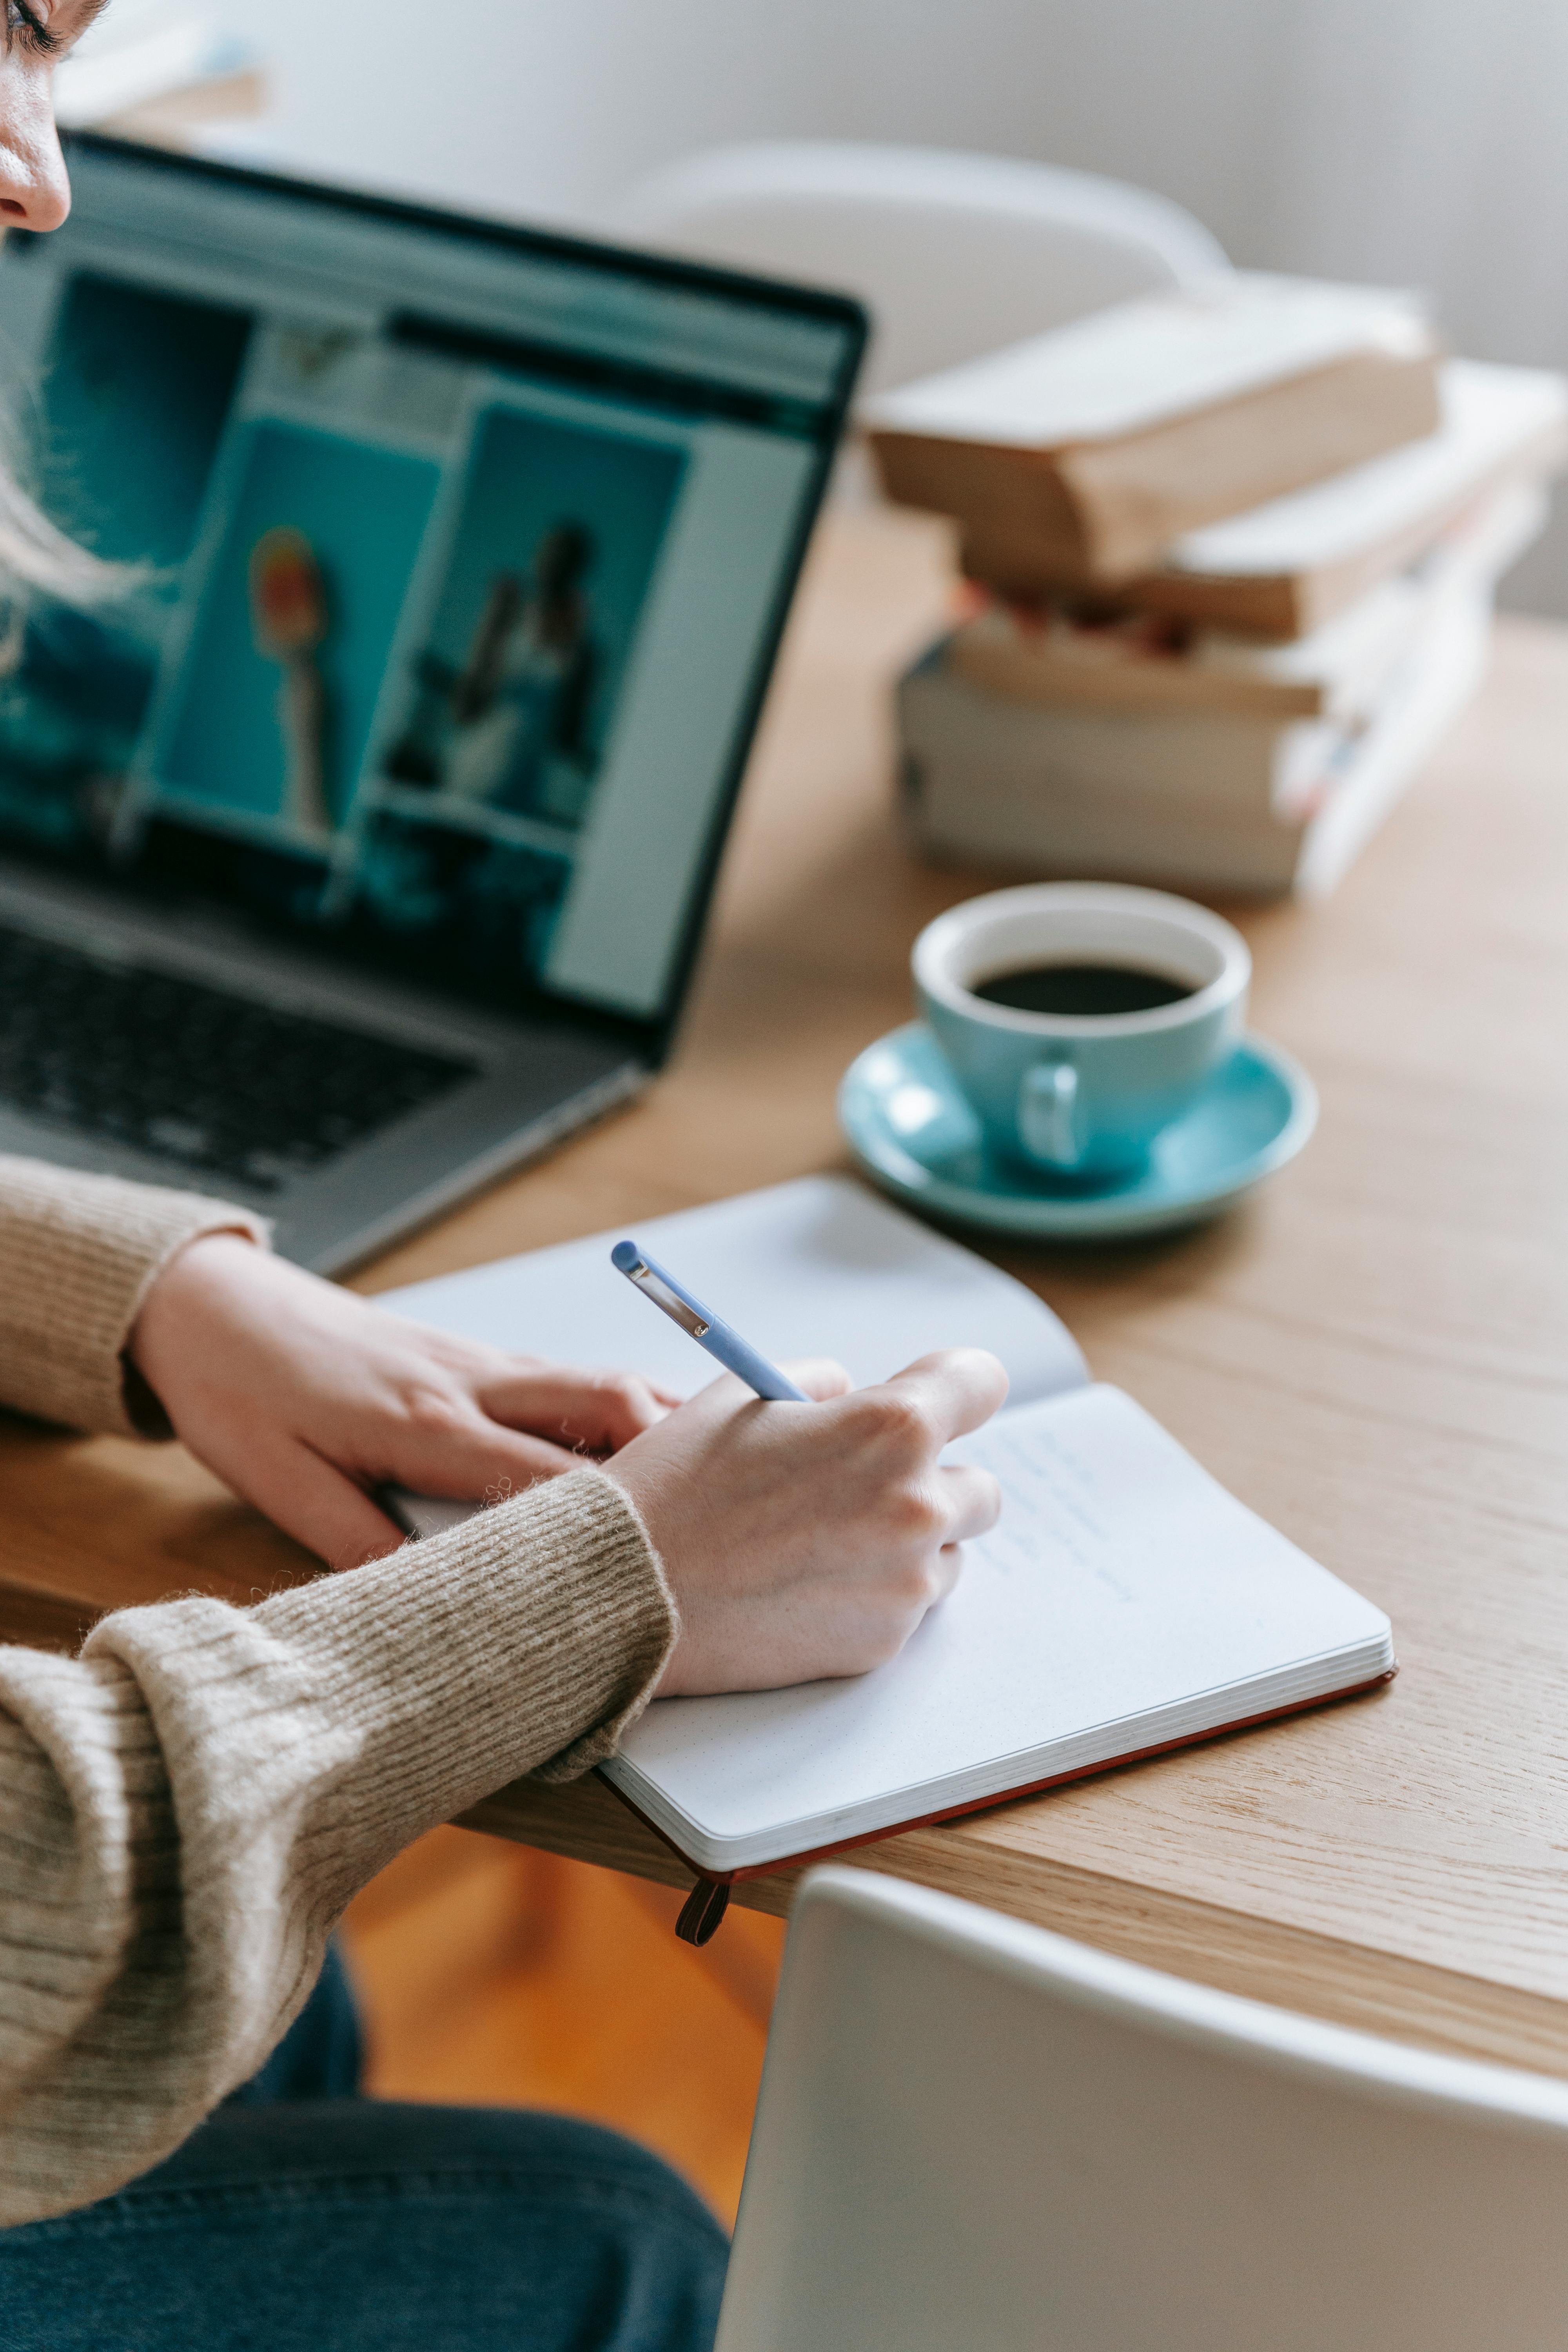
34 193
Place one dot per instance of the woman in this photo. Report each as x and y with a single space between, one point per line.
186 1807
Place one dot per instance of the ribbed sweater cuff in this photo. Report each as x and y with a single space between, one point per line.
78 1253
526 1640
371 1705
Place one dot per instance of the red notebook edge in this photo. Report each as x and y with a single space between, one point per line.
710 1898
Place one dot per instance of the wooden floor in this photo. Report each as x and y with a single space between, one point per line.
492 1975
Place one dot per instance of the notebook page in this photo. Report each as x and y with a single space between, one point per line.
818 1267
1124 1598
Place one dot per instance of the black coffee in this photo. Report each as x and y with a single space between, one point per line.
1082 988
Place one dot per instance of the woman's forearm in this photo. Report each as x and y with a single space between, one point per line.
186 1808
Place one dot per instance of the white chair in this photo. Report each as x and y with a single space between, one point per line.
954 254
975 2136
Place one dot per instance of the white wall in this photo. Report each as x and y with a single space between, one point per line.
547 109
1418 141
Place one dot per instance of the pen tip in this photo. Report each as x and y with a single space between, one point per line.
625 1257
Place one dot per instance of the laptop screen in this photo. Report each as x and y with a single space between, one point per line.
458 558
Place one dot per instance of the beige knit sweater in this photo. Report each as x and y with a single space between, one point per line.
186 1807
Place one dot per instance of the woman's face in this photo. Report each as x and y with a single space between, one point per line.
34 190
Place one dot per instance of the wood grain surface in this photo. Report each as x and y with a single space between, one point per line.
1371 1353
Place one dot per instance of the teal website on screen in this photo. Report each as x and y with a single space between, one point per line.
448 569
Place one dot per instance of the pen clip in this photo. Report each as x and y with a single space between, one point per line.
674 1305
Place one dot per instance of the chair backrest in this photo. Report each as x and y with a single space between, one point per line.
975 2136
955 255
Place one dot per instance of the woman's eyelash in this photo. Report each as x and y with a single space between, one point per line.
20 18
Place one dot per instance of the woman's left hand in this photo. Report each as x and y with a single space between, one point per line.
303 1397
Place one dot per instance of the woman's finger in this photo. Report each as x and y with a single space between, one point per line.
974 1499
819 1376
600 1411
949 1568
477 1461
314 1502
958 1388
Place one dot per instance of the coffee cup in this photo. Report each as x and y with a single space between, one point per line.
1080 1018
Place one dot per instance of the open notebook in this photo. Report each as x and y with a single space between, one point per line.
1124 1603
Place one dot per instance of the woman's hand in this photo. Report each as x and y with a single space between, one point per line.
301 1397
808 1540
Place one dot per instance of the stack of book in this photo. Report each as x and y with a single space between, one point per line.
1232 560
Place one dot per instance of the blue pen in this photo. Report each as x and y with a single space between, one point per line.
709 1330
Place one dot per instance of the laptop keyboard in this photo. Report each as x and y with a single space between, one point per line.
217 1084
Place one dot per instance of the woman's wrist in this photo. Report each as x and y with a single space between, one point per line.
190 1273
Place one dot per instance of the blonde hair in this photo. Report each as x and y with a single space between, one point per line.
36 556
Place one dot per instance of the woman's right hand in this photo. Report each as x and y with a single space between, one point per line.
809 1541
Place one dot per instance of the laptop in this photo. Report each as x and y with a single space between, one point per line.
358 847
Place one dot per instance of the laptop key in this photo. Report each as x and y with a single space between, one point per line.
215 1084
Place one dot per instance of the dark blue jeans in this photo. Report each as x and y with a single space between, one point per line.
303 2219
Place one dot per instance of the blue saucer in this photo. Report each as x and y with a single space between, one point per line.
913 1132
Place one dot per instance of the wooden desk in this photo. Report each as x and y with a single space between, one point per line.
1373 1354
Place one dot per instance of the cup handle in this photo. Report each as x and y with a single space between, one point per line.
1047 1106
